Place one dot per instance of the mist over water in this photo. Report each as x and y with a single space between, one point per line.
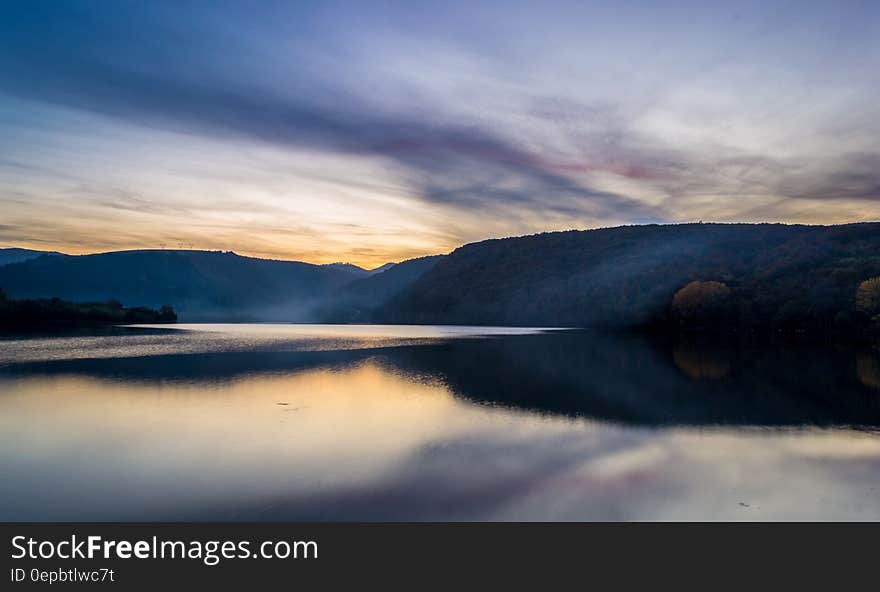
321 422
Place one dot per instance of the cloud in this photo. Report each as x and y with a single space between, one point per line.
849 176
530 124
93 67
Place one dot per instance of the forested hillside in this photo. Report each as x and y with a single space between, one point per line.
201 285
687 276
781 276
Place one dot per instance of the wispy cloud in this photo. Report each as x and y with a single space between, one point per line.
508 126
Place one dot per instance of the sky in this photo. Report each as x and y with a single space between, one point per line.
377 131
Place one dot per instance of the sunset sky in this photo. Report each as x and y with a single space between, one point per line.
377 131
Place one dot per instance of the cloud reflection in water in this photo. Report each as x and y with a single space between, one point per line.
408 433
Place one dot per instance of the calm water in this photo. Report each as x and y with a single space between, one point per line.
299 422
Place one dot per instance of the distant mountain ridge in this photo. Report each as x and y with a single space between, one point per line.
201 285
358 301
357 270
781 275
383 267
16 255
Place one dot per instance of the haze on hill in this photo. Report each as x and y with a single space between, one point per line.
200 284
781 276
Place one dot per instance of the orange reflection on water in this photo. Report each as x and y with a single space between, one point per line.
365 440
274 422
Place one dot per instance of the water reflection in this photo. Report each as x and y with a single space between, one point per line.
518 427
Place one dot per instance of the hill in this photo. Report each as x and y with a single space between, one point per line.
780 276
15 255
359 271
738 276
383 267
350 268
201 285
358 301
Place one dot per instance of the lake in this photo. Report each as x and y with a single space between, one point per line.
322 422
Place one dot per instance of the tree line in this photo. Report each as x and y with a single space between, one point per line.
25 314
